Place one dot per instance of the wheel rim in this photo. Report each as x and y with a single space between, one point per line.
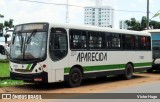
75 77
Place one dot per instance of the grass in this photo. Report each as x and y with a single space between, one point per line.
4 69
8 82
4 61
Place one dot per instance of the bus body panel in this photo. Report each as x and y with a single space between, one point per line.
91 61
138 58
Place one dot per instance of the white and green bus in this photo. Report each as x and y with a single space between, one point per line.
48 52
155 35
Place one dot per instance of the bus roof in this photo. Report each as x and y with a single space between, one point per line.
94 28
153 30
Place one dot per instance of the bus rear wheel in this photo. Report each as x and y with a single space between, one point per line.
75 77
128 72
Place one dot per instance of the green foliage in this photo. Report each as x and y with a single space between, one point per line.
155 24
1 16
1 26
4 69
133 24
8 24
8 82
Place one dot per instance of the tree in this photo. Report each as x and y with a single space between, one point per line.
133 24
1 26
154 24
1 29
143 23
7 25
1 16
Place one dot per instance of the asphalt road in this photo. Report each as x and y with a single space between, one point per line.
140 83
145 88
148 89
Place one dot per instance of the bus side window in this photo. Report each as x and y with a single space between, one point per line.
136 42
129 42
113 41
96 40
78 39
108 41
148 43
142 42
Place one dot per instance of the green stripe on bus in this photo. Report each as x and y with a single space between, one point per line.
142 64
108 67
28 66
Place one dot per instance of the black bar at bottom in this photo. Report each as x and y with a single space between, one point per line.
80 96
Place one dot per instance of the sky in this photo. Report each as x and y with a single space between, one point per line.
25 12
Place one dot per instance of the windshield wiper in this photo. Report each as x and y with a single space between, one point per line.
30 37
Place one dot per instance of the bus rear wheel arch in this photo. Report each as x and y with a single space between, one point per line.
75 77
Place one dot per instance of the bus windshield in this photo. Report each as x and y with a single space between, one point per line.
156 44
28 46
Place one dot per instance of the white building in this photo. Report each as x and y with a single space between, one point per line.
102 16
123 25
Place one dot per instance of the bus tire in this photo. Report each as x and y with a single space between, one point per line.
75 77
128 72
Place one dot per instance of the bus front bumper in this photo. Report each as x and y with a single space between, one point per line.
38 77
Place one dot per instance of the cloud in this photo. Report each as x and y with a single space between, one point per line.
22 11
2 3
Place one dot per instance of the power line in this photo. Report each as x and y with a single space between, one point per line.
131 11
80 6
50 3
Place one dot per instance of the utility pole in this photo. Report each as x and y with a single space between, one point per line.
67 12
147 14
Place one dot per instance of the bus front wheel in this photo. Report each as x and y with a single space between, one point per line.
128 72
75 77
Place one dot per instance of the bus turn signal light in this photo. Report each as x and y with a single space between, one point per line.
44 66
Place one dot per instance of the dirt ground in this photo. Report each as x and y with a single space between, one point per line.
88 85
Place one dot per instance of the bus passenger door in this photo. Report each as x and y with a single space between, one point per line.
58 49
